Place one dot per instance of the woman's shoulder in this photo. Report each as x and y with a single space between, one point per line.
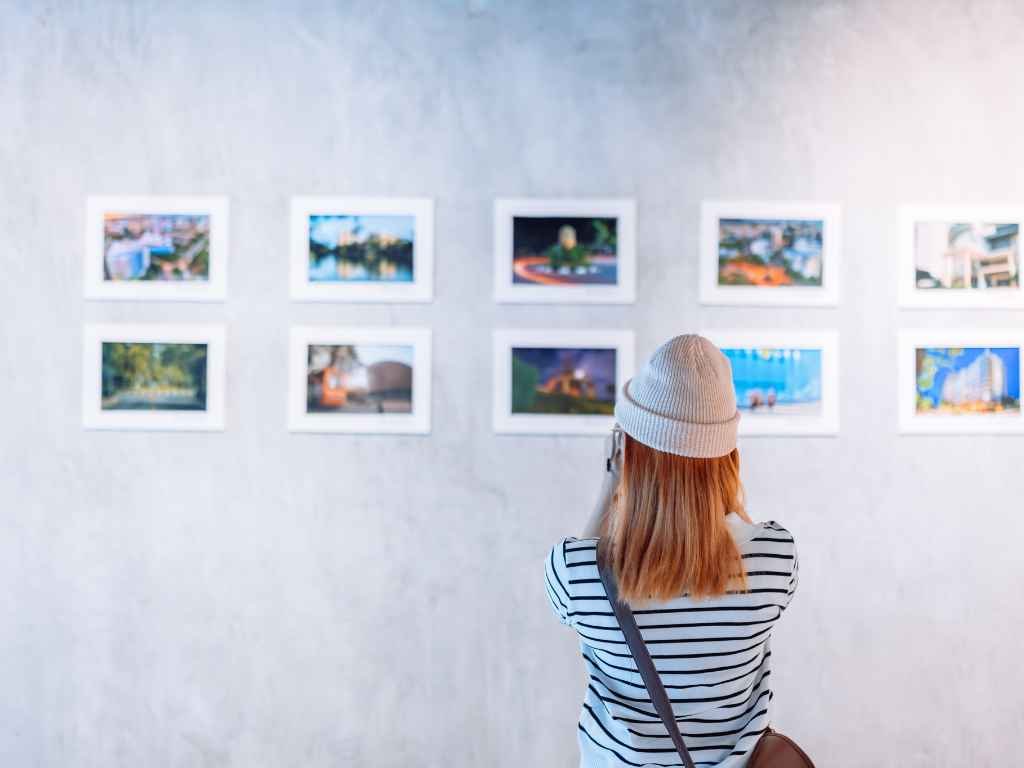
573 556
572 549
759 535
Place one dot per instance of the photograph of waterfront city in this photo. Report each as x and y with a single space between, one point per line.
153 376
352 248
561 251
966 255
967 380
770 253
156 247
359 378
563 380
784 381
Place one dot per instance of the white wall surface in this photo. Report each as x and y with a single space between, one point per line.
258 598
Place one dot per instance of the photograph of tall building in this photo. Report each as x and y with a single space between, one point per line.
966 255
956 380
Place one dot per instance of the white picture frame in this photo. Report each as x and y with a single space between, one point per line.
778 423
420 288
913 422
99 286
505 340
415 422
96 416
913 297
506 290
827 294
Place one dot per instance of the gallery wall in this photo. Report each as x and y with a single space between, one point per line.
255 597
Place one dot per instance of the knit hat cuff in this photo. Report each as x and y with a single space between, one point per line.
683 438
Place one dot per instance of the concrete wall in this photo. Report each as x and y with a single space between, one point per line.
256 598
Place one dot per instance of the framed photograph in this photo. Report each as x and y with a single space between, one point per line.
565 251
153 377
559 382
960 257
359 380
960 381
787 382
362 249
165 248
770 254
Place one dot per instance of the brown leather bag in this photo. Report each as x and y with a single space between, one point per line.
773 750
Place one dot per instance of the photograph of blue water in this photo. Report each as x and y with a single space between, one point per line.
777 380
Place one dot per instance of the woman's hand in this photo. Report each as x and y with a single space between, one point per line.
612 471
613 452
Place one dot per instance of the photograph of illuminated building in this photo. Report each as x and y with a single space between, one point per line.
783 381
358 378
966 255
563 381
564 250
552 250
967 380
557 381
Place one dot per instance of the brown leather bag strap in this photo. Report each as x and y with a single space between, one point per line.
642 658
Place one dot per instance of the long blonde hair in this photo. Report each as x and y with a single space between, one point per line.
665 533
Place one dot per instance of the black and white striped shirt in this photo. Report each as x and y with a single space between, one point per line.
713 656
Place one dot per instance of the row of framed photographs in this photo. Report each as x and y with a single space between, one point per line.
378 380
549 251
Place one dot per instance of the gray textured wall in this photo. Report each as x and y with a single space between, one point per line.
256 598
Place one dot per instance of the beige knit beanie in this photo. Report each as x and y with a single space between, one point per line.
682 401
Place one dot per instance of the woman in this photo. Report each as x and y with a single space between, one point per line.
705 583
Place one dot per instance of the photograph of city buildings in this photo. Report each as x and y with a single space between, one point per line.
550 250
784 381
967 380
770 252
153 376
361 248
563 381
966 255
359 378
156 247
